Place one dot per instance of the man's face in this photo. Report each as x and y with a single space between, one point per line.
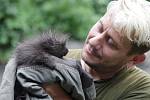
105 47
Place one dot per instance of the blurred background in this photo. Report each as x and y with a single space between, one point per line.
20 19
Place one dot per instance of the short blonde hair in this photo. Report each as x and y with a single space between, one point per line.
132 19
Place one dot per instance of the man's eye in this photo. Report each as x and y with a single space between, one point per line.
110 42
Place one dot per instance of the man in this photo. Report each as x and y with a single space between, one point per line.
113 46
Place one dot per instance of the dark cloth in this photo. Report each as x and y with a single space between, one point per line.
70 76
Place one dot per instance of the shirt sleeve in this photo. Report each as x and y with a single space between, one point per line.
140 91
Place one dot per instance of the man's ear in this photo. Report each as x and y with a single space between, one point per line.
138 59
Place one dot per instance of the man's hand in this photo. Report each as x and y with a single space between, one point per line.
56 92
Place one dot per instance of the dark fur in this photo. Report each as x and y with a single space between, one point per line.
47 50
42 50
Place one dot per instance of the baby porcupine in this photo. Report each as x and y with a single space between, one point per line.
42 50
48 50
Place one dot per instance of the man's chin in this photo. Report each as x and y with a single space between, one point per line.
90 64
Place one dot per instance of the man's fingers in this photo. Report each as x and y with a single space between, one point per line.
56 92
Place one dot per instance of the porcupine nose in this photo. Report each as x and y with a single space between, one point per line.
65 51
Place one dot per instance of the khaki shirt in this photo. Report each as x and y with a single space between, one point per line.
128 84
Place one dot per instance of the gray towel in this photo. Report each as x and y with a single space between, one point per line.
8 81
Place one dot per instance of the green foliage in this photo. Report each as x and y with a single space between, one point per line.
23 18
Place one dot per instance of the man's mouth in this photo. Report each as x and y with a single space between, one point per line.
92 51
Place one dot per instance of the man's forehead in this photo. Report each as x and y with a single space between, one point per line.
117 36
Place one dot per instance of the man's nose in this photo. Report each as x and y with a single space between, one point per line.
97 40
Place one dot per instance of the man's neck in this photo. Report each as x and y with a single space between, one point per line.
98 75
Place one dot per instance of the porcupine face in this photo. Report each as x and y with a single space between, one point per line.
54 45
